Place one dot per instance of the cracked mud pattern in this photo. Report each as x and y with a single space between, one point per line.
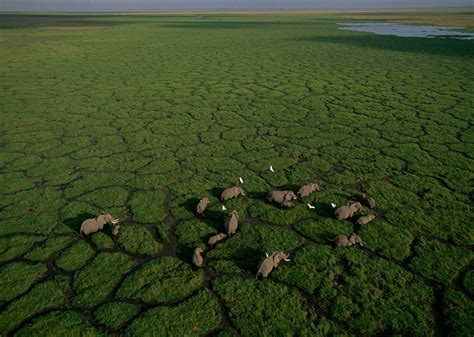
146 115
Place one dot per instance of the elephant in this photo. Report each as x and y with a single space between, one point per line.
284 198
232 223
344 241
198 260
368 201
266 265
306 190
116 230
355 239
231 192
215 239
348 211
201 206
363 220
93 225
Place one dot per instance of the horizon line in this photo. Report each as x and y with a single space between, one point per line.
233 10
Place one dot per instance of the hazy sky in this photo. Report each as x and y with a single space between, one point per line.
46 5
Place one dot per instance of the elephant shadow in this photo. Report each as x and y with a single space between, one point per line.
262 196
190 204
289 187
247 258
216 192
213 216
76 222
324 209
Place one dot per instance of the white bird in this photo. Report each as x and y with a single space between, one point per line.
223 208
311 206
241 180
271 168
333 205
266 254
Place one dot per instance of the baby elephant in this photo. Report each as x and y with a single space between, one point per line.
93 225
215 239
232 192
116 230
232 223
346 212
344 241
283 198
201 206
198 260
368 201
306 190
364 220
266 266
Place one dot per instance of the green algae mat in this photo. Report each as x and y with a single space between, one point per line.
141 116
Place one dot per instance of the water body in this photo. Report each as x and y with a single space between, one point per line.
404 30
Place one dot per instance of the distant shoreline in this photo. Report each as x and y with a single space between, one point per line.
246 11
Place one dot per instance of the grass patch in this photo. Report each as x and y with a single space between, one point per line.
46 249
115 314
43 296
280 310
75 257
93 283
138 240
16 245
373 296
194 317
17 277
66 323
163 280
458 309
438 261
389 241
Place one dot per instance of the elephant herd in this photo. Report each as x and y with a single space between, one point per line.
282 198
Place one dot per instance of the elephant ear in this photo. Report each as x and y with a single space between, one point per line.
288 196
276 259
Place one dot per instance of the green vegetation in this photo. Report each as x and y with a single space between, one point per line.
14 246
469 282
46 295
389 241
241 254
48 248
374 296
138 240
438 261
75 256
194 317
148 206
115 314
163 280
310 267
17 277
264 308
93 283
459 311
65 323
102 241
140 116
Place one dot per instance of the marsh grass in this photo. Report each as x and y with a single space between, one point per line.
141 116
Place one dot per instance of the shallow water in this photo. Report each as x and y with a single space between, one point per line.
404 30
